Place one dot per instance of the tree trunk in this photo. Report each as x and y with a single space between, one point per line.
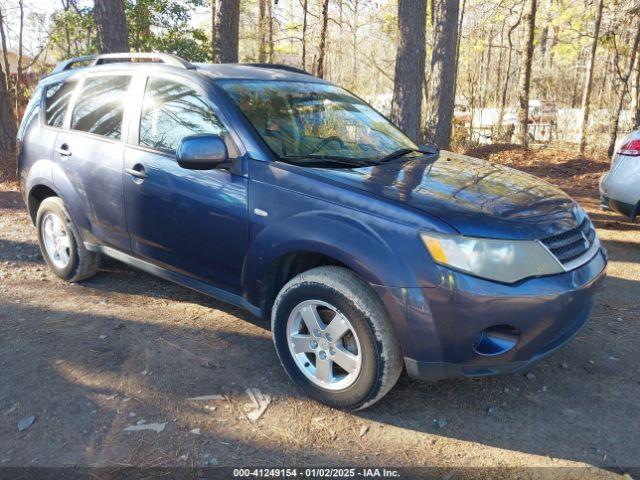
7 132
354 64
262 31
323 39
614 122
636 101
588 82
443 72
525 72
112 26
226 30
18 87
5 53
496 91
544 37
67 33
507 78
458 39
615 117
305 11
270 30
410 63
487 74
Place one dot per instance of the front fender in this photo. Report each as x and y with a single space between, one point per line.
351 242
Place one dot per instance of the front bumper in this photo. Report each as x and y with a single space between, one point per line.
437 326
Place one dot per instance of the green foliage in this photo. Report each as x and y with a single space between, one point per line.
389 19
163 25
154 25
193 45
570 20
73 33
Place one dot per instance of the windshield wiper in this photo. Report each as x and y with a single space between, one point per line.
401 152
313 159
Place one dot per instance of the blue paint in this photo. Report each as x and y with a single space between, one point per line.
199 227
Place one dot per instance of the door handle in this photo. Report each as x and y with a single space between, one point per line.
137 171
64 150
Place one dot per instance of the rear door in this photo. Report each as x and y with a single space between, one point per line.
191 221
91 153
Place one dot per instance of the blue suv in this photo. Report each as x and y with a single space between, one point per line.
283 194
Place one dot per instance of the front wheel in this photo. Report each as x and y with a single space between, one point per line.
334 339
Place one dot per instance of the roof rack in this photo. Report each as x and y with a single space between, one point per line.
106 58
278 66
67 64
167 58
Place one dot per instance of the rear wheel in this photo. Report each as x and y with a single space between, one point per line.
334 339
60 243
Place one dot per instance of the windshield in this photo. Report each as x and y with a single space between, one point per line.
302 119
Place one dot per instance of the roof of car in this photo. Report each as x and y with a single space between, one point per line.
250 71
238 71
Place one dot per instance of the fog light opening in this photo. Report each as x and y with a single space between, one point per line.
496 340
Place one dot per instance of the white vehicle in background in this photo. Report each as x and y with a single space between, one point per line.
540 111
620 187
543 120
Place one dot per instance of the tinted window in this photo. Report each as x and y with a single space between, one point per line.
100 106
170 112
57 101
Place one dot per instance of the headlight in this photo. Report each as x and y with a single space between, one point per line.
504 261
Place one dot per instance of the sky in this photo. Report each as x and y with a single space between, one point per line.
32 37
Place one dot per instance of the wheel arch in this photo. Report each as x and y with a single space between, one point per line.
305 241
45 178
284 268
35 197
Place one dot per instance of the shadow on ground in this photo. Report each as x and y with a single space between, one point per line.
87 386
84 358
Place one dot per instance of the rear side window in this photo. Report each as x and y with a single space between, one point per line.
100 106
56 102
31 113
170 112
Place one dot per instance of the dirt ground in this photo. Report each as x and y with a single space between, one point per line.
88 360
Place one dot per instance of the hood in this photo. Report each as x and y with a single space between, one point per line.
475 197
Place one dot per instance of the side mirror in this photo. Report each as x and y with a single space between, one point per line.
202 152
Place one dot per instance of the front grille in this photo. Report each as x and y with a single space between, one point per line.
569 245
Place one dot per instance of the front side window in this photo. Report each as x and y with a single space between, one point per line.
305 119
172 111
56 102
100 106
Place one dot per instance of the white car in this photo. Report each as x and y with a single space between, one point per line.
620 187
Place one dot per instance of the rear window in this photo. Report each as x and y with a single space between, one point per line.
100 106
56 102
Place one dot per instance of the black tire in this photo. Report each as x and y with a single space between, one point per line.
82 263
381 353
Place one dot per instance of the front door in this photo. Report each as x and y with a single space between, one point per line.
193 222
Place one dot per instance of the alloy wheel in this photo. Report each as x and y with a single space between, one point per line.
56 240
324 345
